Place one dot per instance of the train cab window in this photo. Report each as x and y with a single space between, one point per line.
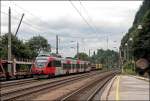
57 63
40 63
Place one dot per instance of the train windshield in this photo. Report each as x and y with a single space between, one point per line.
41 63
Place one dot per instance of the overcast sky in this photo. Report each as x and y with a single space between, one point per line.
48 18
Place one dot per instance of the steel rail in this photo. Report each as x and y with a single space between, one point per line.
14 94
101 85
88 91
16 82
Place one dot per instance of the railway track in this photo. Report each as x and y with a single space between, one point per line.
16 82
23 92
89 91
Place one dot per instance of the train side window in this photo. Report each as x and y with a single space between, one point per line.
64 65
85 66
57 63
50 64
78 65
74 65
69 65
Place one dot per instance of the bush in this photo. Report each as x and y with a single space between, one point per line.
129 67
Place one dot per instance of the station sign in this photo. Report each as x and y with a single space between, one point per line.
142 63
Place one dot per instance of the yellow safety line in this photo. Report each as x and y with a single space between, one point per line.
117 89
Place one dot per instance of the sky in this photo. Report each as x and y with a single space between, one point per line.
93 24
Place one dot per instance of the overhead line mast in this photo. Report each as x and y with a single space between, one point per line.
9 39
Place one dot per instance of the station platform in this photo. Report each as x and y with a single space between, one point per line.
124 87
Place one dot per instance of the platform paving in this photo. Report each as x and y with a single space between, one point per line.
129 88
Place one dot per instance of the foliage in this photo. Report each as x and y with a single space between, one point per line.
128 65
140 47
128 68
82 56
18 47
36 44
27 50
108 58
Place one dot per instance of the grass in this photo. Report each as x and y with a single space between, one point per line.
129 72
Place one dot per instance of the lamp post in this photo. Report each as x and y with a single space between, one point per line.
120 58
131 40
132 55
140 27
126 53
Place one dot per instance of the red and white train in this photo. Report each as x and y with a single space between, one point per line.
49 66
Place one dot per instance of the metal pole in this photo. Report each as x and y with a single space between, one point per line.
121 61
107 50
89 52
19 24
127 53
77 50
9 39
56 44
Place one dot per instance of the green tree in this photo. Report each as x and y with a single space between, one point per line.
141 38
28 50
36 44
19 50
105 57
140 46
82 56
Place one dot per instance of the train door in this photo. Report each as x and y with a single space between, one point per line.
57 65
50 68
82 67
74 67
85 66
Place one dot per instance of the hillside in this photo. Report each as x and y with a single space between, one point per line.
136 43
140 46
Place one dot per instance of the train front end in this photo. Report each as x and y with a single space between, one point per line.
39 68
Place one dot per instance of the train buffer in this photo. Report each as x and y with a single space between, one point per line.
126 88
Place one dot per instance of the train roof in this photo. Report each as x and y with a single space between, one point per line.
60 58
47 55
